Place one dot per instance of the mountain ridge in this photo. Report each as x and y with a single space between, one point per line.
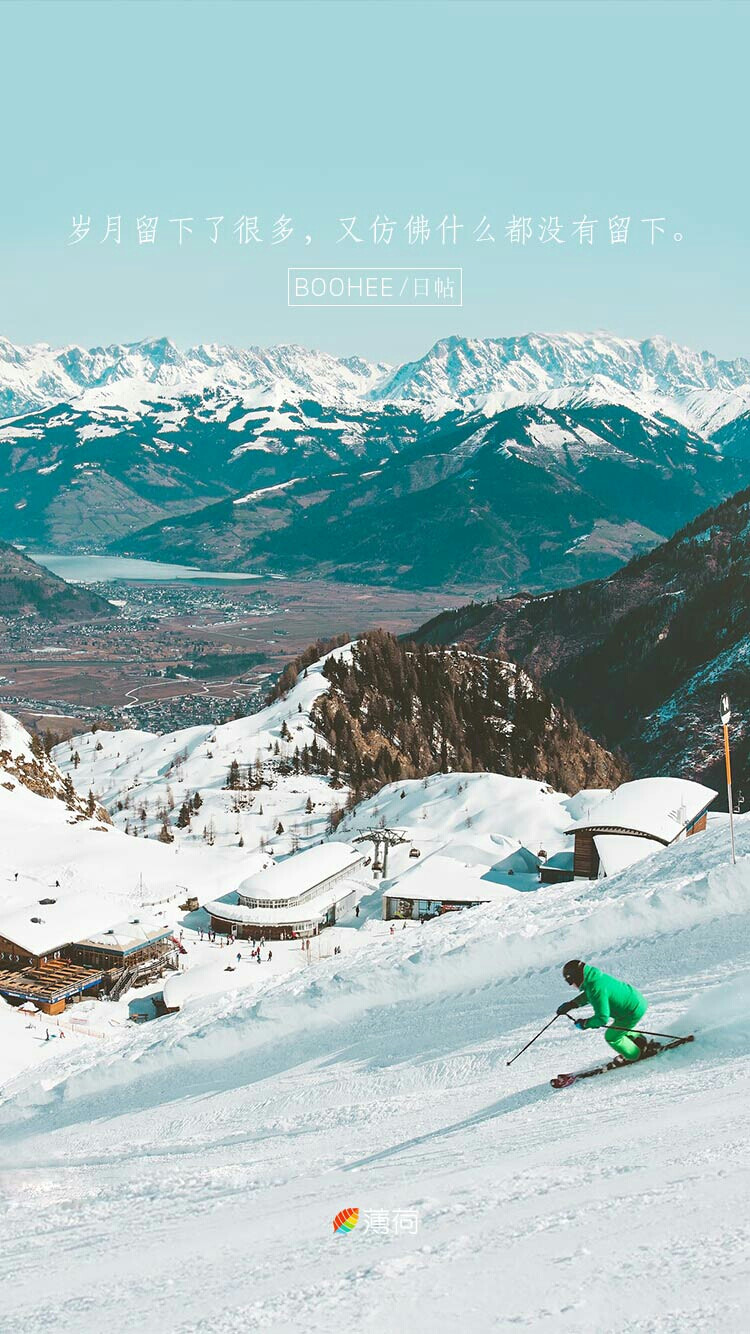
642 656
455 371
557 457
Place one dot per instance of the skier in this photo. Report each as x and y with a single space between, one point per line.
612 1000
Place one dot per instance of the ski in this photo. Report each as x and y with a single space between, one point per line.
618 1063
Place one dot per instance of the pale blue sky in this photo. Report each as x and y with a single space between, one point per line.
322 110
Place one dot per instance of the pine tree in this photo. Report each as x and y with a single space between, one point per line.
183 819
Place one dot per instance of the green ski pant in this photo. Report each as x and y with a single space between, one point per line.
621 1042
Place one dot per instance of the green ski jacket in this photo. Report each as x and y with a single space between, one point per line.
611 999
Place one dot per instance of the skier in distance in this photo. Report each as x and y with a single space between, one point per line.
611 1000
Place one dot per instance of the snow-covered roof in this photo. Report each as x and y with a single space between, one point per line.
658 808
560 861
127 936
444 880
304 871
297 914
618 851
41 927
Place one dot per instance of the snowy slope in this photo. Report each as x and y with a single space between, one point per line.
380 1080
133 771
45 840
476 820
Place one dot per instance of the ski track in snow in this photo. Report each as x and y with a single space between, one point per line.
187 1179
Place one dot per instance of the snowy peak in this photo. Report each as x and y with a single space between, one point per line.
465 370
39 376
455 373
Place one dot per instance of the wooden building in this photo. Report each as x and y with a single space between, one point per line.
50 985
122 946
558 868
55 950
634 820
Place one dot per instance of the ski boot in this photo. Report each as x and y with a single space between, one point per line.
645 1045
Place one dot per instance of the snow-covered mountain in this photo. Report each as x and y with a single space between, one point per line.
279 780
559 455
644 655
39 376
666 376
456 372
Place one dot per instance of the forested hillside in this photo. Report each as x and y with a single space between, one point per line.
27 589
644 655
397 711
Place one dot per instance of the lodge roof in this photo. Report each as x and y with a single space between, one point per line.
126 936
59 917
294 914
440 879
655 808
290 878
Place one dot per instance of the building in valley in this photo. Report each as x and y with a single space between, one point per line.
297 897
634 820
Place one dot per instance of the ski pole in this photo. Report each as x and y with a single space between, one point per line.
644 1032
537 1035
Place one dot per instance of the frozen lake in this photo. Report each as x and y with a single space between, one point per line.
103 569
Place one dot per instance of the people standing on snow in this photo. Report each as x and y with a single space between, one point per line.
270 955
239 958
356 911
614 1003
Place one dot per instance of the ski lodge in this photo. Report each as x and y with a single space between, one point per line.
296 898
634 820
55 950
443 884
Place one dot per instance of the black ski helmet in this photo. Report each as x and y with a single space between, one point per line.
573 972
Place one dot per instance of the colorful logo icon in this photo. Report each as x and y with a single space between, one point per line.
346 1221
